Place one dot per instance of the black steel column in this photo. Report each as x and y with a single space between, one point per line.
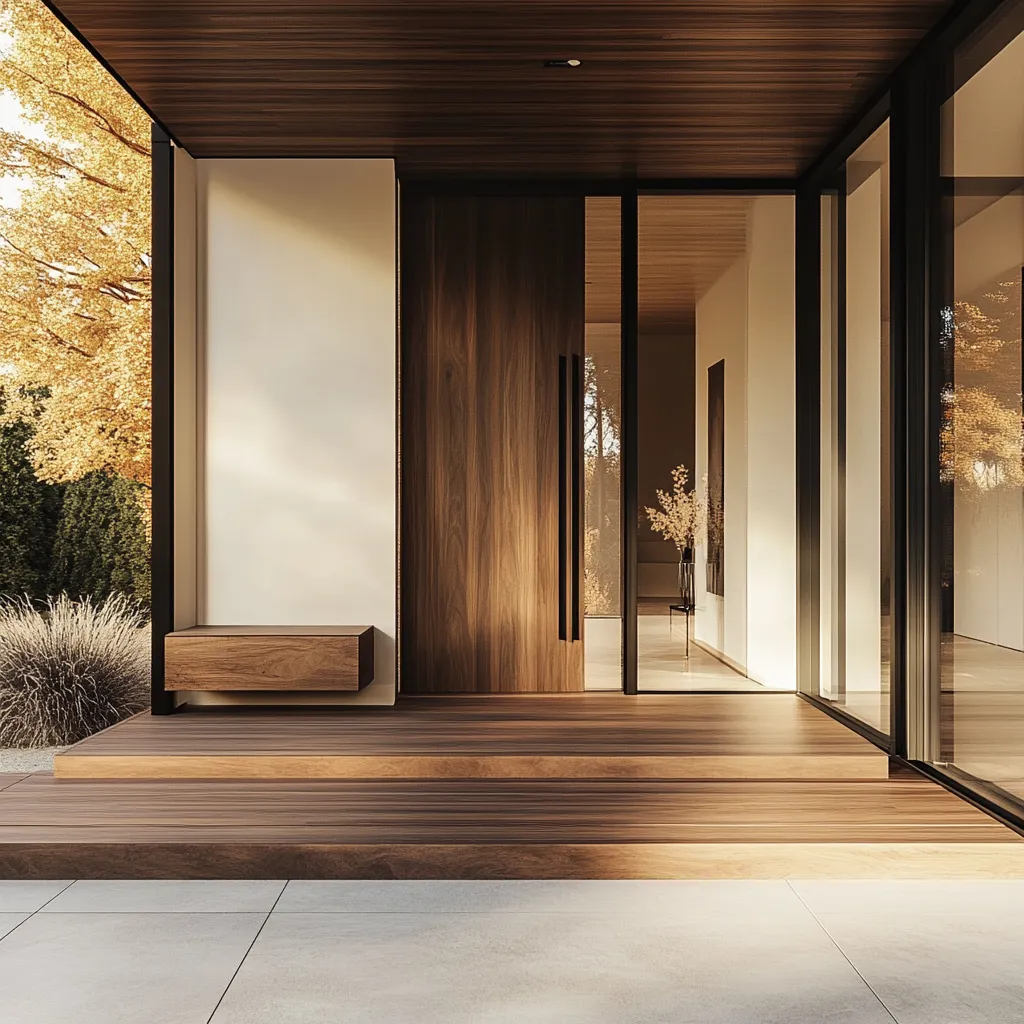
628 440
916 205
162 556
904 265
808 436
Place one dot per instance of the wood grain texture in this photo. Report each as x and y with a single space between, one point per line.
68 854
580 736
269 658
492 295
326 766
257 631
568 724
486 829
450 87
524 811
8 779
684 243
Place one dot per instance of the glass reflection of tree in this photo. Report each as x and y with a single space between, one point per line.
981 444
601 468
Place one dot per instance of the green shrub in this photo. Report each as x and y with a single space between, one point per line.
100 548
29 509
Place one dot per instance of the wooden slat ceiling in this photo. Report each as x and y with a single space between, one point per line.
693 88
684 243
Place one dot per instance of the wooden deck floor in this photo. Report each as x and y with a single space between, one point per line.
497 829
643 817
731 736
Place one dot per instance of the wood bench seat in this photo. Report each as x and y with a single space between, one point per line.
269 658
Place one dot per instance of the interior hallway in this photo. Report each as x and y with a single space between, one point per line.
662 661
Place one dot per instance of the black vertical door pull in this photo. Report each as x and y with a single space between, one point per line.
576 486
563 498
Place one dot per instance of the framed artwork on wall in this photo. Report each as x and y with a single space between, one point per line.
716 479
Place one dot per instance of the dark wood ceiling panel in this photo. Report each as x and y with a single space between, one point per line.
666 89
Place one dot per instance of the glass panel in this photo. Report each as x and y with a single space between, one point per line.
832 551
602 386
982 585
716 544
856 557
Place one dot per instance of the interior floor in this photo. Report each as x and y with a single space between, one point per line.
868 706
662 661
983 711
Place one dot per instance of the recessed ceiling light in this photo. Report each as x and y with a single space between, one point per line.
572 62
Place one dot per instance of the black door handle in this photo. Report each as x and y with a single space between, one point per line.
563 502
576 510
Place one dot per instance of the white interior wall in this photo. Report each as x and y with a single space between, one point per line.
771 443
748 317
297 319
721 333
186 395
988 119
864 429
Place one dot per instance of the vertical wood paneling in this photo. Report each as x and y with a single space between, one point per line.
492 294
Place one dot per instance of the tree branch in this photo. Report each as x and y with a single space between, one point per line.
27 146
102 120
43 263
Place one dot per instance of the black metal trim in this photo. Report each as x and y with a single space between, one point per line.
955 25
901 198
162 533
595 187
1007 809
756 688
808 437
963 20
839 298
563 497
914 170
868 120
629 442
870 733
935 370
576 492
109 68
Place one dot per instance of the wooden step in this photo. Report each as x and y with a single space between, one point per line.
559 736
907 827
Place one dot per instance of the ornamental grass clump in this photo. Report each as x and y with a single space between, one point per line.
69 669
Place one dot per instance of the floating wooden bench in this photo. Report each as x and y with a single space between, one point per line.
269 658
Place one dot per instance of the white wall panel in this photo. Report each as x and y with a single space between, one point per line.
722 334
771 444
863 433
298 323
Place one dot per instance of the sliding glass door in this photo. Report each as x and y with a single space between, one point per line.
602 448
855 507
709 544
980 676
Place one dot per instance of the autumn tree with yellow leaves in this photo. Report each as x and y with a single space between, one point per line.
74 254
982 442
